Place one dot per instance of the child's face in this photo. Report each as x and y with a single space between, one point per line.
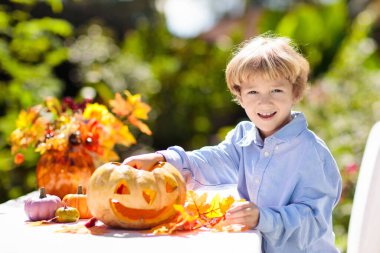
268 103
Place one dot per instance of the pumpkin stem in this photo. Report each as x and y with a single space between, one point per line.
80 189
42 193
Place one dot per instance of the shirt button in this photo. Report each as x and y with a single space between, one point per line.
276 147
257 181
266 153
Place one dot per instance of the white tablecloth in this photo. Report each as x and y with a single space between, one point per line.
17 236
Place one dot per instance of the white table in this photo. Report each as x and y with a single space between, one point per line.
16 236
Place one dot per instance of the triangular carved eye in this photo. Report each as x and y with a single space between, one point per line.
149 195
122 188
170 184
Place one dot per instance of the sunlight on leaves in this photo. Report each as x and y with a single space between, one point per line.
198 212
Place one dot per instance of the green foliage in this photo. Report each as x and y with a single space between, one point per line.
316 29
183 77
30 49
191 86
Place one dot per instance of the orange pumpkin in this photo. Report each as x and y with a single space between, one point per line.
122 196
79 201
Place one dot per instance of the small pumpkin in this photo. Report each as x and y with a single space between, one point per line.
79 201
43 207
122 196
67 214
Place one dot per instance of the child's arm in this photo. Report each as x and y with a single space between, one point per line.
211 165
207 166
308 216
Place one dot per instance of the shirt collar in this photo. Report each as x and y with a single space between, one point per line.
294 128
291 130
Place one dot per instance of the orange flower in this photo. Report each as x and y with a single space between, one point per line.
19 158
48 126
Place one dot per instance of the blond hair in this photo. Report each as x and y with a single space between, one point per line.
271 58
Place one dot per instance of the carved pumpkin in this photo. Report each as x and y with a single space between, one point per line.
122 196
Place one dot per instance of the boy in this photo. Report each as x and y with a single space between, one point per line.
286 173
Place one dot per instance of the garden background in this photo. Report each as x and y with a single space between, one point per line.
96 48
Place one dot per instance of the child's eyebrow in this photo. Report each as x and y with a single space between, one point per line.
278 85
273 84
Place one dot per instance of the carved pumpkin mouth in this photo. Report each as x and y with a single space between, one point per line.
133 213
124 212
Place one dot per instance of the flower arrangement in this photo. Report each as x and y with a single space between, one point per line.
54 125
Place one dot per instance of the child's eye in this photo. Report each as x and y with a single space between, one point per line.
276 91
252 92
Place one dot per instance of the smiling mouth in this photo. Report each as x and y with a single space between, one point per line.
266 115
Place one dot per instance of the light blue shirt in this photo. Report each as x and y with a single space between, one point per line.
291 176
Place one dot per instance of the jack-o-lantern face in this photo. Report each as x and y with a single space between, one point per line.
122 196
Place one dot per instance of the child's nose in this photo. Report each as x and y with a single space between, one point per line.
265 99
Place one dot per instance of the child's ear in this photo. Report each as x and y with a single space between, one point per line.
296 99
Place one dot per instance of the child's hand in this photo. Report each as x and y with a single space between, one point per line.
243 213
145 161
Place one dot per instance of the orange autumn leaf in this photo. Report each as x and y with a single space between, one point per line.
198 212
120 106
140 109
133 109
196 204
140 125
49 125
132 105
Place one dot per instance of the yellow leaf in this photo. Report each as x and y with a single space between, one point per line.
196 204
199 212
53 105
183 214
214 209
226 203
125 137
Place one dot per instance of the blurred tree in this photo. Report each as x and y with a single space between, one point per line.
191 85
30 49
121 15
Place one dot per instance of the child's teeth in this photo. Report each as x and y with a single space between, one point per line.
267 114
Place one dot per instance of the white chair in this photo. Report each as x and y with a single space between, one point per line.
364 227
